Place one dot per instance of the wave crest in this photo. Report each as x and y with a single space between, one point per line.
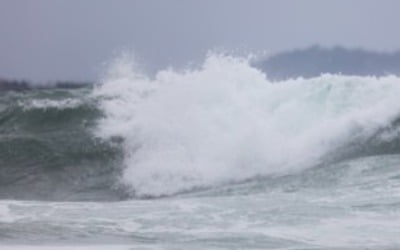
226 122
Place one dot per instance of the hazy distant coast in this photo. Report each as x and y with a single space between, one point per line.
314 61
308 62
20 85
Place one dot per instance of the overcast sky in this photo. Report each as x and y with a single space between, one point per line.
71 39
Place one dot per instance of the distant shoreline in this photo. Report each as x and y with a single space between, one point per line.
21 85
307 63
316 60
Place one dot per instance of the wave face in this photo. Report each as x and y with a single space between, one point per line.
227 123
47 147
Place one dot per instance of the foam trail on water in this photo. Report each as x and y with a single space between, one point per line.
44 104
226 122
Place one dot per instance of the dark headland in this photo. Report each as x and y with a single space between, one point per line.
314 61
21 85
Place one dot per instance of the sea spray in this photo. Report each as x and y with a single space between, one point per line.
226 122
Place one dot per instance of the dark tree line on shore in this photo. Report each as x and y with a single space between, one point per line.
21 85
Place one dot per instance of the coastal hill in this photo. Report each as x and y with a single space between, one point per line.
316 60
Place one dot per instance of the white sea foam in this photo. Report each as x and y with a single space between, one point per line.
227 122
67 103
5 216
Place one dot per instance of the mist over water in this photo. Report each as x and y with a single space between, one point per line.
212 157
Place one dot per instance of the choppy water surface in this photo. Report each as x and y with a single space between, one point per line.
213 158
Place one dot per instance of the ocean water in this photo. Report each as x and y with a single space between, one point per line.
217 157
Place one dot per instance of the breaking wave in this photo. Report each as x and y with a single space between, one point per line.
225 122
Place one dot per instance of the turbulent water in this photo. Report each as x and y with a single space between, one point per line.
217 157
